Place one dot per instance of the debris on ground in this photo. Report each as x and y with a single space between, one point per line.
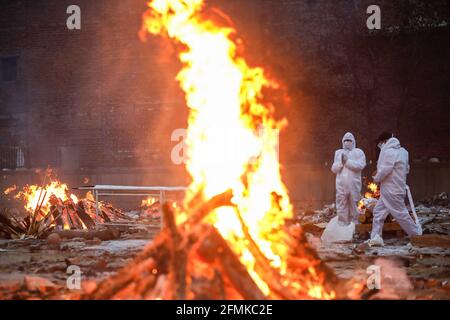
423 261
442 200
38 268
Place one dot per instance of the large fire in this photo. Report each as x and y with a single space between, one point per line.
373 192
38 199
227 106
34 195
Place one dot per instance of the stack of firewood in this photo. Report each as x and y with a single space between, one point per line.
82 215
193 261
63 215
366 216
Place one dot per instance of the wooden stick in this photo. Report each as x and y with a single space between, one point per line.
214 247
268 274
178 259
206 207
38 208
106 289
87 220
38 205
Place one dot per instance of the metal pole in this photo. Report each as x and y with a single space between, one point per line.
96 203
161 202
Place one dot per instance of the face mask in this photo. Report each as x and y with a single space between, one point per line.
348 145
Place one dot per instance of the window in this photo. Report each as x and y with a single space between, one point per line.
9 68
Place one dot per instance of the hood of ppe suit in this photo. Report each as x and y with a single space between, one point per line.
348 179
392 143
349 136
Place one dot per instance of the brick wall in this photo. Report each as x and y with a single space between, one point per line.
101 96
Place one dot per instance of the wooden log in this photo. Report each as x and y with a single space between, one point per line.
312 228
214 247
45 226
108 288
297 263
178 256
71 212
153 258
116 213
8 227
269 275
206 288
363 228
431 240
206 207
75 220
57 215
87 220
362 218
68 219
104 235
104 214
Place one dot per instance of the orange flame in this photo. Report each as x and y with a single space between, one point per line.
34 196
148 202
374 193
373 187
226 102
10 190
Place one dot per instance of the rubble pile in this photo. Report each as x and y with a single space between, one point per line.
149 212
423 260
39 269
441 200
317 216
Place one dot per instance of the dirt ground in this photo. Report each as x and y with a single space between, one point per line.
407 271
38 269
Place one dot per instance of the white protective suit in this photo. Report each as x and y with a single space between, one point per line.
392 168
348 180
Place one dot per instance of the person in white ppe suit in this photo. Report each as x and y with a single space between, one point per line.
392 169
347 166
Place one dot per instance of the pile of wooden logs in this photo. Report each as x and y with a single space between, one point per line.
367 216
63 215
192 261
82 215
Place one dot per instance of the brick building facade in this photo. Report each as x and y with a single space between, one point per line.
99 97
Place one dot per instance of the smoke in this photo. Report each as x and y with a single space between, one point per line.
395 283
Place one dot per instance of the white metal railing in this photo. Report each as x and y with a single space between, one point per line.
114 190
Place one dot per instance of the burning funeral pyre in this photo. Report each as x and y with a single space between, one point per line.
51 207
229 239
367 204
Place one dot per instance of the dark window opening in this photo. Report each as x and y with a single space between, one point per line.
9 68
12 157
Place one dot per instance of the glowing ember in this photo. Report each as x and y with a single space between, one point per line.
148 202
373 187
374 193
226 102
